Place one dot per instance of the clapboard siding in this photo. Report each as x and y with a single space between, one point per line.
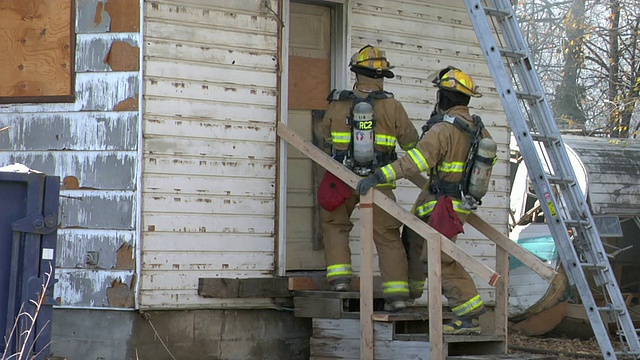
95 131
93 142
209 147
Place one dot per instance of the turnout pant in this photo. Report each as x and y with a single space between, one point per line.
457 285
337 225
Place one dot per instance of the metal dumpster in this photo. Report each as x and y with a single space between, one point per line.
28 232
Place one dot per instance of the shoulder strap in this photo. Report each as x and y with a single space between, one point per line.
457 122
336 95
381 94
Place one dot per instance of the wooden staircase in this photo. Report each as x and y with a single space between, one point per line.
402 335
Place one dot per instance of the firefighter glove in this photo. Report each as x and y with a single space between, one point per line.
370 181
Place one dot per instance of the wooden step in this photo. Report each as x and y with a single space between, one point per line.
340 339
504 357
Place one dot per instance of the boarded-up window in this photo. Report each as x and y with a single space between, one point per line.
36 51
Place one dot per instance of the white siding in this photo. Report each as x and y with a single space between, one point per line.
209 148
420 38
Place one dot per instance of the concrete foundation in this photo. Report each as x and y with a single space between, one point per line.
180 335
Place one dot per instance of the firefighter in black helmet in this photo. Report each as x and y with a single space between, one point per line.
387 126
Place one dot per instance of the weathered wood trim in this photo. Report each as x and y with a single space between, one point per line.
366 273
276 287
434 265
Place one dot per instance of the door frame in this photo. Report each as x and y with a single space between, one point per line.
340 49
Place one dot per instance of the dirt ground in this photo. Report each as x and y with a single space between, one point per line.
563 347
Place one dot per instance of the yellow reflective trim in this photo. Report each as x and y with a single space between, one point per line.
451 167
391 184
427 208
474 303
393 287
339 270
495 160
418 159
339 137
389 173
416 285
385 140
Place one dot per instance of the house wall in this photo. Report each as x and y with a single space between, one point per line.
92 145
209 154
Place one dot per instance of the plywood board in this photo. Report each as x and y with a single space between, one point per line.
38 50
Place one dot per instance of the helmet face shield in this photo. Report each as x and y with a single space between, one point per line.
454 79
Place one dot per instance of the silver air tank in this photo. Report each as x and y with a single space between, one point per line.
482 167
363 136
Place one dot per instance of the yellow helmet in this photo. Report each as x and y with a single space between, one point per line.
373 59
454 79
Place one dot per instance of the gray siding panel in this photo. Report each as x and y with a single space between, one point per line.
94 151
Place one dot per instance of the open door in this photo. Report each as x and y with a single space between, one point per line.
309 85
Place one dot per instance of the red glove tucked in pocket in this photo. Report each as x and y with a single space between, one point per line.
444 219
332 192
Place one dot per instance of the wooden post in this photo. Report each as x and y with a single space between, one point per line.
434 279
366 276
501 318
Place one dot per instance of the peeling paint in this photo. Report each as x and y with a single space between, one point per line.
88 287
130 104
120 295
123 57
98 18
125 15
70 183
125 258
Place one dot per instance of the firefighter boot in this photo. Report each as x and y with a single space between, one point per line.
341 285
394 305
462 326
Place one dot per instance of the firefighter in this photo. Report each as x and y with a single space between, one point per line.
363 148
442 153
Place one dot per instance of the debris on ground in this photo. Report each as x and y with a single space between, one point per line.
563 347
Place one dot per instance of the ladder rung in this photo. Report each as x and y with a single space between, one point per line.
513 54
612 309
544 138
528 96
577 222
560 180
491 11
593 266
627 353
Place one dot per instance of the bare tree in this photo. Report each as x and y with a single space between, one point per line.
588 56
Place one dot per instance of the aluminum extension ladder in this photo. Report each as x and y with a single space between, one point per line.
552 175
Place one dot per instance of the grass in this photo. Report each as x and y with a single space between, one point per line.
23 332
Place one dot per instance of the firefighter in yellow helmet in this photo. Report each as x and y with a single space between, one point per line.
443 153
364 126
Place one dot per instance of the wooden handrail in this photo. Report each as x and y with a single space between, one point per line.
435 245
388 205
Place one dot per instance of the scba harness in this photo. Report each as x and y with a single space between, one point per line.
361 157
477 168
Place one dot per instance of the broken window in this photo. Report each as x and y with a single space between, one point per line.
37 50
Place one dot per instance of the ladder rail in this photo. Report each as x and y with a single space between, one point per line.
585 241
